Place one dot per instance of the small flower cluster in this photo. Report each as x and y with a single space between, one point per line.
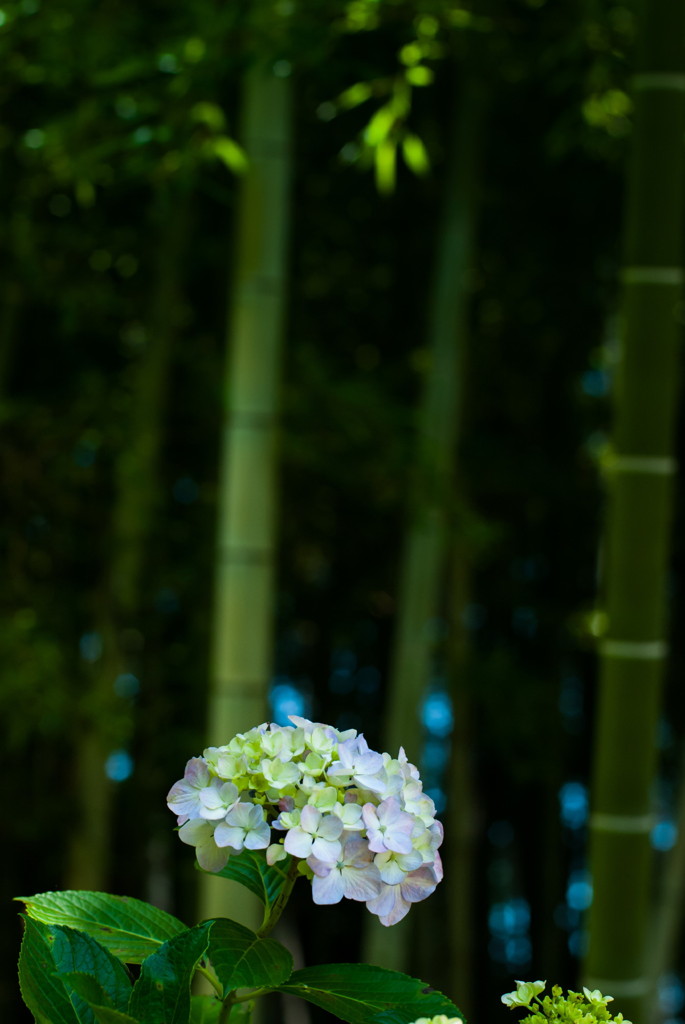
357 819
441 1018
586 1007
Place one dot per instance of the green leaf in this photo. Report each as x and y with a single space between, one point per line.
128 928
162 992
384 156
415 155
250 869
43 992
204 1009
230 153
242 960
358 993
108 1015
77 953
358 93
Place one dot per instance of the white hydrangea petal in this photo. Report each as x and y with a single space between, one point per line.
298 843
211 858
328 889
330 827
274 853
327 850
229 835
360 885
258 838
195 831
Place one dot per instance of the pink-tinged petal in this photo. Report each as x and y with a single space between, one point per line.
357 852
418 885
182 798
328 889
319 867
298 843
361 884
389 905
197 773
436 867
310 818
326 849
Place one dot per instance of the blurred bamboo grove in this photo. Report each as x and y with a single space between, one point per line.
308 337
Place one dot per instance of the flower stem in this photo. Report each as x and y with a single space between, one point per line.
272 914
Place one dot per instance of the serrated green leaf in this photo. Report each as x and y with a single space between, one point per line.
128 928
242 960
250 869
358 993
41 990
162 992
108 1015
75 952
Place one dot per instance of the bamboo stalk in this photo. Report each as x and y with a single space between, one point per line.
424 569
105 719
241 657
638 521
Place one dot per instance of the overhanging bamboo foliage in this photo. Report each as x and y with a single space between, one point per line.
244 588
638 520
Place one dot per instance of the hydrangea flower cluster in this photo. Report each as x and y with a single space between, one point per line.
586 1007
358 821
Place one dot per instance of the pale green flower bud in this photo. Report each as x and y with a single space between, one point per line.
525 991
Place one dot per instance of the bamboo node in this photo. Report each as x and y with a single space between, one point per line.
657 465
659 80
638 650
652 275
625 824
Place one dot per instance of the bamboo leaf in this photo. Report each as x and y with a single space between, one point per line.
359 993
379 126
128 928
241 959
385 157
230 153
358 93
43 992
162 992
415 154
251 869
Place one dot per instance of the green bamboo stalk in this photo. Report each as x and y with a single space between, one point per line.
638 520
105 721
668 917
241 657
424 556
